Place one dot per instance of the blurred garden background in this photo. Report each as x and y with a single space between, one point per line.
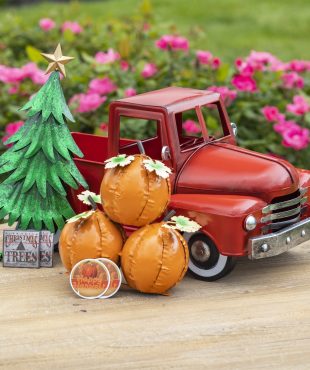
255 53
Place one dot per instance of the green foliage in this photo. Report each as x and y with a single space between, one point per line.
228 28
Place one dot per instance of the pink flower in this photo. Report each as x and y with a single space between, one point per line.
238 63
16 75
172 42
87 102
296 138
130 92
124 65
149 70
104 126
277 65
11 75
102 86
261 57
13 89
11 129
244 83
46 24
244 68
299 107
179 43
32 71
292 80
283 126
227 95
260 60
109 57
39 77
74 27
191 126
281 118
204 57
271 113
164 42
247 70
299 65
216 62
29 70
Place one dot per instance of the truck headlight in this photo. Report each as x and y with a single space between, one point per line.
250 223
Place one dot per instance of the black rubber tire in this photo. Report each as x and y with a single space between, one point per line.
217 265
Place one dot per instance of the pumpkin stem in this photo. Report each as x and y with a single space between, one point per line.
141 147
92 203
169 215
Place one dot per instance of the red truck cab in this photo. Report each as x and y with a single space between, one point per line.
248 204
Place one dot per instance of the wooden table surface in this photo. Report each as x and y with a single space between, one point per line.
256 318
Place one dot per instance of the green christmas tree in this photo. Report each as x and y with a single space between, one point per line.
39 164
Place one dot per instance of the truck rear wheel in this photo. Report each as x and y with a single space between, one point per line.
205 261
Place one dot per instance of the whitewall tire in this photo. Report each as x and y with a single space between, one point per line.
205 261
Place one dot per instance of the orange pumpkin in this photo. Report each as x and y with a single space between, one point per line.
154 258
92 237
134 196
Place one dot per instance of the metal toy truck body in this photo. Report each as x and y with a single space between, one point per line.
249 204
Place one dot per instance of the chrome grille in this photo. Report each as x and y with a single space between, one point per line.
285 210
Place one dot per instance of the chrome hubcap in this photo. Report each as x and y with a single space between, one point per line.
200 251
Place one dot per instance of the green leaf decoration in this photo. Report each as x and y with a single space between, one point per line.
83 197
79 216
158 167
182 223
121 160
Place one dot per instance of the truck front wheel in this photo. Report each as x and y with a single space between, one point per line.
205 261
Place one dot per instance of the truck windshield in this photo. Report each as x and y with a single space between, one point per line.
190 130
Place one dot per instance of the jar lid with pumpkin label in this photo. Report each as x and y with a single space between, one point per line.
90 278
115 278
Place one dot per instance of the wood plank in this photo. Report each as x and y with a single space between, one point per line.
256 318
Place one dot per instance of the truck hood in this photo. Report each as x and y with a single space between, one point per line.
222 168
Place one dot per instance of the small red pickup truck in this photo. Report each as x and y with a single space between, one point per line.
248 204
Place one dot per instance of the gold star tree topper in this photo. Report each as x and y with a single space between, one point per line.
57 61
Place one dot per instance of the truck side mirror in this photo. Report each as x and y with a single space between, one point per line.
234 128
165 153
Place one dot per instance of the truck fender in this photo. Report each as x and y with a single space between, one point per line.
221 218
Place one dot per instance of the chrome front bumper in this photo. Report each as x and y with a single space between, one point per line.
280 241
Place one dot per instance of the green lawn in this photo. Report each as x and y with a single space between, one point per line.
230 27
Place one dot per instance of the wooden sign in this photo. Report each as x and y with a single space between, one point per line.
21 248
46 248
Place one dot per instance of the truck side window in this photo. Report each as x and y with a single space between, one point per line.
147 131
213 121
